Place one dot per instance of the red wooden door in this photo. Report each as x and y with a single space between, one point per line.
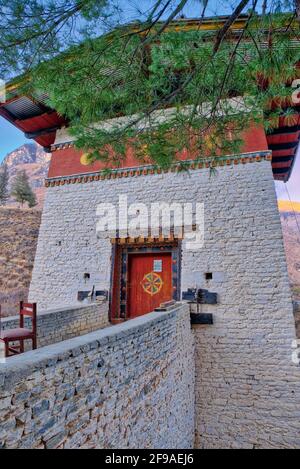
149 282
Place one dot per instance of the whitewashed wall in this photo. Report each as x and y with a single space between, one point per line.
126 386
247 387
237 199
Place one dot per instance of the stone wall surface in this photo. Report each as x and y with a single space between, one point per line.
236 200
63 324
127 386
247 386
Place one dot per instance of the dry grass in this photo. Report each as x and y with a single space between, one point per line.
292 249
18 239
296 292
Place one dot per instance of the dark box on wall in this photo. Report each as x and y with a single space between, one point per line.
200 296
83 295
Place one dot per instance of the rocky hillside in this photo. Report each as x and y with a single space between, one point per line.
18 239
290 225
35 162
290 219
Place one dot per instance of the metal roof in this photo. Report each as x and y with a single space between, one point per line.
22 108
35 119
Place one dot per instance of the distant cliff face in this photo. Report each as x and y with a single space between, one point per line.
35 162
19 231
290 224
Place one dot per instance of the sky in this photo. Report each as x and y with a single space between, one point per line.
11 138
292 186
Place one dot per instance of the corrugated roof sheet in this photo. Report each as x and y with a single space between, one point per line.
23 108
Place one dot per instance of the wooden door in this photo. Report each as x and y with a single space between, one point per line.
149 282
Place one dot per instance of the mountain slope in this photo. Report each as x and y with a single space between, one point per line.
290 220
18 240
19 228
35 162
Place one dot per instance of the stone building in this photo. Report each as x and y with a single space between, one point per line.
247 385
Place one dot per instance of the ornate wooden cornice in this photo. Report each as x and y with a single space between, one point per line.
151 170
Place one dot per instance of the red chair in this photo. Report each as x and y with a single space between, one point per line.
21 334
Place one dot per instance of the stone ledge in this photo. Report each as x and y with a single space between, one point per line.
81 401
64 324
146 170
19 367
49 312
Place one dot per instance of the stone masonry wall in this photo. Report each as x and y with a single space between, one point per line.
63 324
127 386
68 245
297 317
247 387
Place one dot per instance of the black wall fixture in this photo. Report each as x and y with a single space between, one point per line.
83 295
202 319
200 296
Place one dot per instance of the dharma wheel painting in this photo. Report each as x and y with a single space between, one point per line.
152 283
149 282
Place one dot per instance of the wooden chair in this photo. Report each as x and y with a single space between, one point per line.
21 334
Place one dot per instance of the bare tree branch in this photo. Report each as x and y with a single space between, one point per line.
177 10
222 33
264 7
297 7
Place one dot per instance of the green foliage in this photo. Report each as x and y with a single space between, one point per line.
21 190
4 180
32 31
146 69
95 83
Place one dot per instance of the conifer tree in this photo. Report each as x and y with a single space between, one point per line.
95 61
4 180
22 191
